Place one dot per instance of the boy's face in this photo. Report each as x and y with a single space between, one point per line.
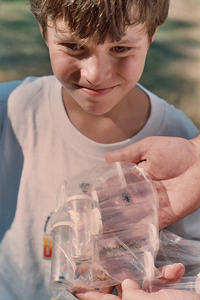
97 77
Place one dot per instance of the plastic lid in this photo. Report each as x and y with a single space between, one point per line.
64 223
79 197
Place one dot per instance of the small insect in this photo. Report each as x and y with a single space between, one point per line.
84 187
102 276
126 197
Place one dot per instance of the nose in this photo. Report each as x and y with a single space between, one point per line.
96 69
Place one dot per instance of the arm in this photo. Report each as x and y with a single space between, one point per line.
174 166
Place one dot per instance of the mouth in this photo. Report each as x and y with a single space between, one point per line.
96 92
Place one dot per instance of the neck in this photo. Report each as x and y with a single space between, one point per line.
121 123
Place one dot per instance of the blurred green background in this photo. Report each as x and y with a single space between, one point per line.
173 64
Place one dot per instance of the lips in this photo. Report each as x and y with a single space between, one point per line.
97 92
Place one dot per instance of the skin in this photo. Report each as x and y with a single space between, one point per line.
130 290
174 165
99 81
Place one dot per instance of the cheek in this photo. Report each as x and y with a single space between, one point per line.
132 67
62 65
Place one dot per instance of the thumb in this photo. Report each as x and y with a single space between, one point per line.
129 154
131 290
128 284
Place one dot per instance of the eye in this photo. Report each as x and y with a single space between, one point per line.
119 49
73 46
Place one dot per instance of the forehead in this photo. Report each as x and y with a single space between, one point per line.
61 30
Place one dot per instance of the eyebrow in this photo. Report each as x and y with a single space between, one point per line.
129 40
64 36
70 38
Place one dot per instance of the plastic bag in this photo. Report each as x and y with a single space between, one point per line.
105 228
174 249
189 283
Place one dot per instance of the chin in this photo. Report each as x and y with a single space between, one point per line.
95 110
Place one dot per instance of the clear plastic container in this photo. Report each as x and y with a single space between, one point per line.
73 239
105 228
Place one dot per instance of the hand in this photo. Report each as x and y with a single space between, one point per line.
167 274
174 166
132 291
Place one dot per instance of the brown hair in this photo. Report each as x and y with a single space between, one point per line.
101 18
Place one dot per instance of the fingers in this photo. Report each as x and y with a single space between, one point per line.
128 287
107 290
129 284
171 272
119 290
132 291
102 294
168 274
88 295
96 295
128 154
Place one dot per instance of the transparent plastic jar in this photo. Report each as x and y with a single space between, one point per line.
106 228
73 239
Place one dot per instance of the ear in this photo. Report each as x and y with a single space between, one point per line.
42 33
154 35
41 30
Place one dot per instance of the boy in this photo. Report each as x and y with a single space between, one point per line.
54 127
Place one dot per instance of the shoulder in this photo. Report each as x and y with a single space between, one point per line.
19 99
20 89
177 123
30 93
32 86
168 120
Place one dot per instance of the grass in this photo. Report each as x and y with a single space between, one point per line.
23 51
172 68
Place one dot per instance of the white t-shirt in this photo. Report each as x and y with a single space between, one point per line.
39 149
